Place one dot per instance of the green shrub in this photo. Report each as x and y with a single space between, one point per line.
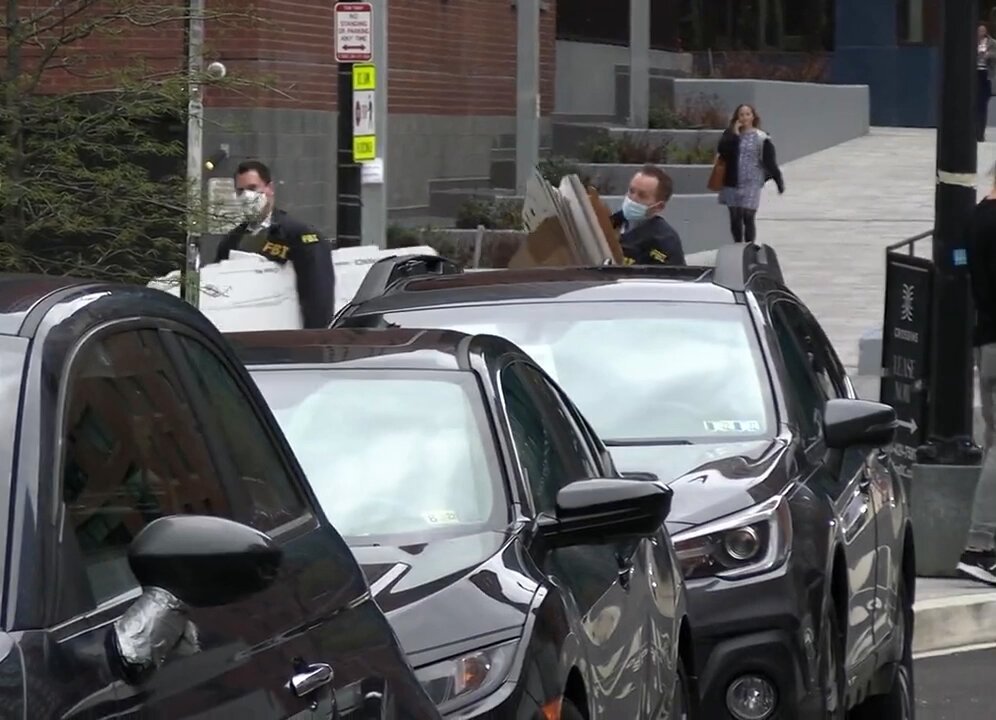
697 155
703 112
626 150
493 214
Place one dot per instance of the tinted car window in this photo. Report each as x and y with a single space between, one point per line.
805 385
391 452
534 439
259 466
639 371
578 458
133 452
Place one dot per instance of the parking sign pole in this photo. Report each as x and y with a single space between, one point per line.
353 44
375 182
949 437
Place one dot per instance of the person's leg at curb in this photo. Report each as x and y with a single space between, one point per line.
736 224
750 227
979 559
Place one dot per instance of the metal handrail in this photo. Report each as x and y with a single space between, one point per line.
909 242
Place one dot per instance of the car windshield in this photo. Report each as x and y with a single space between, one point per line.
390 453
641 372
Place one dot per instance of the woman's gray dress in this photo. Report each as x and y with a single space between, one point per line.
750 175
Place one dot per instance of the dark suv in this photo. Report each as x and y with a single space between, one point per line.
789 521
162 554
525 577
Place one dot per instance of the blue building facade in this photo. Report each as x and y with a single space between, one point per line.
877 45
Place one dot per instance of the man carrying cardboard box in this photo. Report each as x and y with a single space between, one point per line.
647 238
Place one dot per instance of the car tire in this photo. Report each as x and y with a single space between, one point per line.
681 708
898 703
569 711
832 680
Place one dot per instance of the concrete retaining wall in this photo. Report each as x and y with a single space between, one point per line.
586 75
802 118
614 179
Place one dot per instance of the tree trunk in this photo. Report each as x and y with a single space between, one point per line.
14 171
779 11
762 24
698 18
731 29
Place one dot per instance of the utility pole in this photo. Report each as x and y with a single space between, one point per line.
374 191
639 63
353 44
527 112
949 437
190 281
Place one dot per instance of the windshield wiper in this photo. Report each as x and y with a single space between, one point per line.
647 441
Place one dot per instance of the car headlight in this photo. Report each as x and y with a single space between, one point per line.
467 678
746 543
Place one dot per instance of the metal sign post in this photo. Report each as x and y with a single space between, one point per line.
353 44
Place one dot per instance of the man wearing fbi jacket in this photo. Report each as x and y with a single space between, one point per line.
276 236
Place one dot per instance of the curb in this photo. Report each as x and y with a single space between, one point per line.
947 623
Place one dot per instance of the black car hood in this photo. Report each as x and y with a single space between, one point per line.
446 591
710 480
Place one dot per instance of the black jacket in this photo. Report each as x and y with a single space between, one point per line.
729 150
311 254
652 242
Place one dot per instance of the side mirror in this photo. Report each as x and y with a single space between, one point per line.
849 423
592 511
204 561
185 561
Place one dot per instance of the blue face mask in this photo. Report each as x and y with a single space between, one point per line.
633 211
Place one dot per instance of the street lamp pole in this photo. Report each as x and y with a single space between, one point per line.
639 63
190 281
949 439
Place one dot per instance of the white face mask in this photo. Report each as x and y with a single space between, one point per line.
253 202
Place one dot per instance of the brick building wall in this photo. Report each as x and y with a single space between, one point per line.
451 90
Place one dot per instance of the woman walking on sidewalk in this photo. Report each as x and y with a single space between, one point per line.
749 156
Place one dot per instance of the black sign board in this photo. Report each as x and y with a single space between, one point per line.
906 351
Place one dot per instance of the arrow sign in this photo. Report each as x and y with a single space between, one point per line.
353 32
910 425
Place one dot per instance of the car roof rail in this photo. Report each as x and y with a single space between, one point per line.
738 264
390 270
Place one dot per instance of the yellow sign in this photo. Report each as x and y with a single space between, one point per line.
364 148
364 77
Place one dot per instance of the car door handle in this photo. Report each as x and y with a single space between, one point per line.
310 678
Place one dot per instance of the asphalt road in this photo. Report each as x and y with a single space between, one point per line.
956 687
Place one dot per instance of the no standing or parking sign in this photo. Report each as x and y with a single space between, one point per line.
353 32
